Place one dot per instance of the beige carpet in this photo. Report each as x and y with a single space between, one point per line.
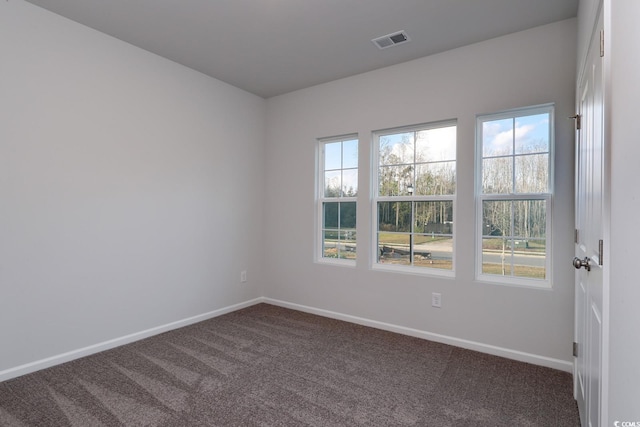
270 366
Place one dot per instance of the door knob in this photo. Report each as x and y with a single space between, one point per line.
579 263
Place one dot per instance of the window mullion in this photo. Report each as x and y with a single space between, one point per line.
530 214
397 156
333 154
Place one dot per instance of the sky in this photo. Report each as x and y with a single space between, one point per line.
439 144
431 145
341 163
531 135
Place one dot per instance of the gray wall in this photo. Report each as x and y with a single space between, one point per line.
130 189
528 68
134 191
623 65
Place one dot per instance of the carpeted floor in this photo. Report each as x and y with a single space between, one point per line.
270 366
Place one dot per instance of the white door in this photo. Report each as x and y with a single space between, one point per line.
588 257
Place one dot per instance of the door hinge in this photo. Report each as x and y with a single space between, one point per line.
575 349
577 119
600 251
601 43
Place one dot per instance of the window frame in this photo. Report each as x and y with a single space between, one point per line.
321 199
376 198
547 197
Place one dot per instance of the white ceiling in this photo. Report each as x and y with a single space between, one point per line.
270 47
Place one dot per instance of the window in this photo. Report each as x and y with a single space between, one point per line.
514 155
337 191
414 198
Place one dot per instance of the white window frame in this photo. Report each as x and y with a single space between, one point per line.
376 198
547 197
321 199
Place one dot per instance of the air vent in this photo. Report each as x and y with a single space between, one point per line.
392 39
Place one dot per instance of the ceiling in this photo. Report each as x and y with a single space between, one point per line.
271 47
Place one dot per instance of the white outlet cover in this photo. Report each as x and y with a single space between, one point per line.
436 300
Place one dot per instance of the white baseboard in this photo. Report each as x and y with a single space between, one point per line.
534 359
106 345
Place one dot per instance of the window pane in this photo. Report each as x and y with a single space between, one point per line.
393 248
434 217
330 244
433 251
529 258
435 179
347 245
339 179
496 256
348 215
330 215
530 218
332 156
532 173
414 164
332 183
514 257
532 134
516 161
396 149
394 180
350 182
497 175
436 145
497 138
350 154
496 218
394 216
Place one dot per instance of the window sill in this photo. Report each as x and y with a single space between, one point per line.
336 261
416 271
515 282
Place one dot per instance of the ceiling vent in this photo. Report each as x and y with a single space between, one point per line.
392 39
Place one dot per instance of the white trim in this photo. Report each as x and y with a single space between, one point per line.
28 368
562 365
320 199
374 261
480 197
416 270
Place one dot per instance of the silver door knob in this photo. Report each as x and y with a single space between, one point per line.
579 263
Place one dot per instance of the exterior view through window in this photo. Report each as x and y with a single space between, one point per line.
415 196
514 194
338 189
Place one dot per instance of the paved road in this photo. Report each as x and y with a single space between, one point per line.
444 252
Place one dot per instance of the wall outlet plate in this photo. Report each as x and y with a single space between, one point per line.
436 300
243 276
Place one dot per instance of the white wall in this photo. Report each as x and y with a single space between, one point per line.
528 68
130 188
624 334
587 15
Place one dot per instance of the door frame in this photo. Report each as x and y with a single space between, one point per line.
600 7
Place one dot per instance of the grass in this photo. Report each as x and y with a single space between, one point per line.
444 264
333 253
519 270
487 268
400 239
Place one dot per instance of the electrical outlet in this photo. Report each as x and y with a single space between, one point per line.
243 276
436 300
